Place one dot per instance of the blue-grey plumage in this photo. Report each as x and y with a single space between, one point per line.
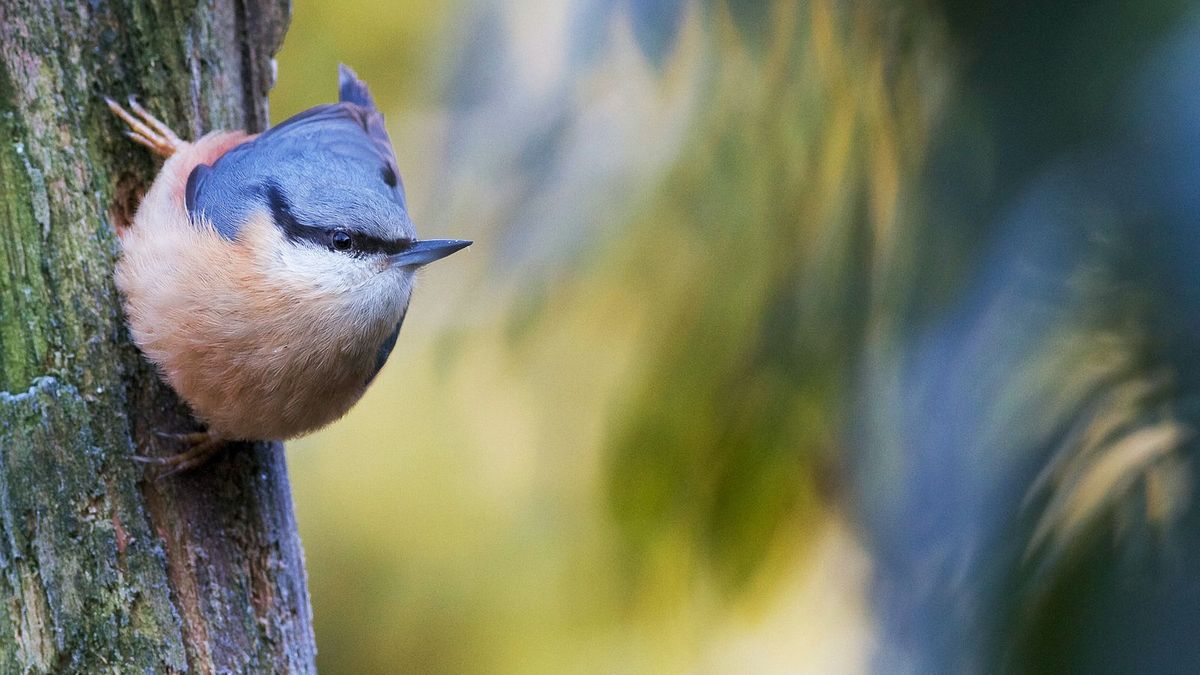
333 164
267 276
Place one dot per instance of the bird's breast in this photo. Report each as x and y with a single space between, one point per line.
264 339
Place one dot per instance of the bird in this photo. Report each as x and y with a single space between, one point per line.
266 276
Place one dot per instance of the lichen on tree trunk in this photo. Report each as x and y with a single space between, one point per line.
100 569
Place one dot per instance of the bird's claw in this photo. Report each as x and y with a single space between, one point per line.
203 447
146 129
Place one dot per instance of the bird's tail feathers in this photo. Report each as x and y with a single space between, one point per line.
353 90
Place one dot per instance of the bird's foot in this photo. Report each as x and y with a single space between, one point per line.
202 446
146 129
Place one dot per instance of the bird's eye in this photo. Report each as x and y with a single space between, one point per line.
341 240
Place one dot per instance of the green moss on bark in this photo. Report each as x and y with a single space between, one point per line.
99 570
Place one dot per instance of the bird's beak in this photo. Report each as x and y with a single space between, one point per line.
425 252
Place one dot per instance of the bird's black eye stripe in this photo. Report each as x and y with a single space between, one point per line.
341 240
281 212
369 244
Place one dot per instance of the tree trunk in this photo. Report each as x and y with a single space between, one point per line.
100 569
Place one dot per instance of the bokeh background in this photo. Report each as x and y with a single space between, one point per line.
798 336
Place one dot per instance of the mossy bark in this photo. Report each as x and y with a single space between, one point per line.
100 569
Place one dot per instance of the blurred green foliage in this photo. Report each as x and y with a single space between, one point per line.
773 242
591 496
390 44
795 334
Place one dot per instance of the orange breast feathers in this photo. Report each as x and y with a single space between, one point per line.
232 331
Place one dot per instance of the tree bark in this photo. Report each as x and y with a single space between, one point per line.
102 570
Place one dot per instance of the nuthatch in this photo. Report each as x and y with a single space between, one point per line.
266 276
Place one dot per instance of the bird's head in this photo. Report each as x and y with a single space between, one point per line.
344 244
353 226
318 201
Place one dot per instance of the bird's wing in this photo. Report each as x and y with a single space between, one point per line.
336 140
